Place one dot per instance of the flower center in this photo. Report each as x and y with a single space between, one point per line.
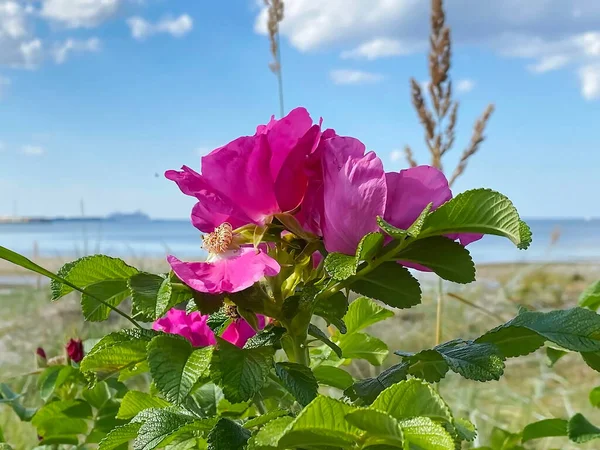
219 240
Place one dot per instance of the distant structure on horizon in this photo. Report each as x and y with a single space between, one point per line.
137 216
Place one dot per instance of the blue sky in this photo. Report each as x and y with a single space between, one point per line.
99 96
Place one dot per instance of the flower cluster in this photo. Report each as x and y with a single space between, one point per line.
330 185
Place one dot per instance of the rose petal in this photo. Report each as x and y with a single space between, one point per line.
239 331
232 273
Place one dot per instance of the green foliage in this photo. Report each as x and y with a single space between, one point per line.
391 284
135 402
321 336
333 310
363 346
342 267
413 231
333 376
112 292
299 380
119 436
364 312
90 270
580 430
176 367
544 428
590 297
478 211
228 435
241 372
268 436
382 429
153 295
447 258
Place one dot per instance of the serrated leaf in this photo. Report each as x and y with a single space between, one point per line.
575 329
545 428
415 229
447 258
333 310
592 359
333 376
381 428
135 401
263 419
391 230
90 270
590 297
61 418
268 437
478 211
423 432
390 283
299 380
119 436
47 381
153 295
580 430
176 366
113 292
369 388
480 362
364 346
316 332
97 396
339 266
554 355
321 423
268 337
117 351
412 398
241 372
160 428
364 312
218 321
465 429
429 365
369 246
227 435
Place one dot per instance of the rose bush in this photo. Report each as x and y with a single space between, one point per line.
308 243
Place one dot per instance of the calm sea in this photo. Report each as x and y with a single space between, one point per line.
579 240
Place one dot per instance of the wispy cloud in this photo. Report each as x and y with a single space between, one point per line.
64 49
382 48
79 13
396 155
590 81
345 76
33 150
142 29
465 85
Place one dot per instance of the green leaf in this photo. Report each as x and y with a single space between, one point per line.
160 428
153 295
413 231
580 430
478 211
322 424
480 362
592 359
364 312
113 292
7 396
381 428
218 321
98 395
299 380
554 354
60 418
119 436
268 337
575 329
390 283
261 420
465 429
424 433
447 258
135 401
176 366
364 346
333 310
369 246
117 351
545 428
227 435
595 397
590 297
316 332
412 398
369 388
90 270
333 376
47 381
340 266
241 372
428 365
268 437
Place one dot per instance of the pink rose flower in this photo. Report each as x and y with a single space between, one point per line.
193 327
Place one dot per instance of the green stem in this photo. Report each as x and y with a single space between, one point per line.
301 353
262 409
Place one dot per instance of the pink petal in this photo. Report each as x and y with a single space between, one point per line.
239 331
354 194
213 208
411 190
240 171
233 273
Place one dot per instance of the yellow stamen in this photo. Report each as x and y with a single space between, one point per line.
219 240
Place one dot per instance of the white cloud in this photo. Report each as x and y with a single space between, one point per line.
62 50
33 150
547 34
465 85
79 13
396 155
381 48
344 76
4 84
177 27
590 81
